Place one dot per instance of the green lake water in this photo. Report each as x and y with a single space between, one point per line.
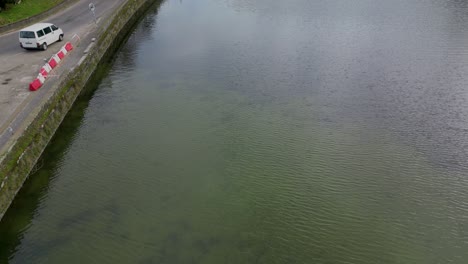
243 131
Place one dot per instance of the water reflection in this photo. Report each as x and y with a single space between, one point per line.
243 131
401 64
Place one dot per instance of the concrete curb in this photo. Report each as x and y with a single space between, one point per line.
36 18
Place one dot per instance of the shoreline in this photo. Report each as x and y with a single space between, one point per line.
24 149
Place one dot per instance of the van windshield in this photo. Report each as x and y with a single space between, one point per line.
27 34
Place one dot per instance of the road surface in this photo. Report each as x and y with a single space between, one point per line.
19 67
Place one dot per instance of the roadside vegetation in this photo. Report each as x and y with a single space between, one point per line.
26 8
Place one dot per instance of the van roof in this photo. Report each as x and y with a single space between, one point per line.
37 26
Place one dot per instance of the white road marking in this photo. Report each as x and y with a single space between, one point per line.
26 79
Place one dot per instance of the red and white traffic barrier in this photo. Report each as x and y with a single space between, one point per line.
68 46
35 85
45 70
54 61
49 66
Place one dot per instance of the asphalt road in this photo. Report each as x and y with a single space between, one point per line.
71 20
18 67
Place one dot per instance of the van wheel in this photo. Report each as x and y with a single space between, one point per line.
44 46
61 37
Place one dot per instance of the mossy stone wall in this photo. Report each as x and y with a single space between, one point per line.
24 153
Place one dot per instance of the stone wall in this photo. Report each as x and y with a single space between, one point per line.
24 153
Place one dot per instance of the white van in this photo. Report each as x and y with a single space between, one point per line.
39 36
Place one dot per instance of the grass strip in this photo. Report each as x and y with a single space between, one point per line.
27 8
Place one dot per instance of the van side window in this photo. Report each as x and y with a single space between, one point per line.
47 30
40 33
54 28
